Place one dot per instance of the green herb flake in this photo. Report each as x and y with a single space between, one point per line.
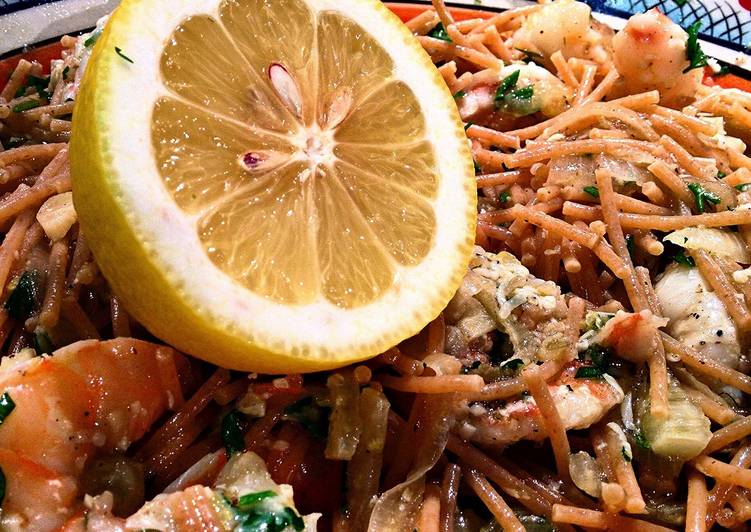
684 260
119 52
460 94
507 84
232 433
701 196
592 191
525 93
256 516
468 125
742 186
6 406
513 364
625 454
251 499
599 355
478 168
588 372
640 439
65 72
680 3
694 53
25 106
439 32
724 71
93 38
504 197
721 174
24 298
40 85
310 415
530 55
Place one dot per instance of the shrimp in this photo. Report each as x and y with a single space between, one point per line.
697 316
244 497
87 399
631 335
483 106
649 54
580 403
567 26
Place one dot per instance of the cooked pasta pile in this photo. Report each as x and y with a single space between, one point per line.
591 371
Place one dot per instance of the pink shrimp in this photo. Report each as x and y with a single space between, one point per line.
87 399
580 403
650 53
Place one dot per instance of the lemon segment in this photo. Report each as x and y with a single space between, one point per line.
272 186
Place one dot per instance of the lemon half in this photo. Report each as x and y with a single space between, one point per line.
273 186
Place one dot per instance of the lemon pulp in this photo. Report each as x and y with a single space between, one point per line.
295 196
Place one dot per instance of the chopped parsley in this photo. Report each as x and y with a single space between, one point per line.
684 260
530 55
439 32
40 86
504 197
721 174
232 433
599 357
6 406
680 3
742 186
25 106
468 125
310 415
251 499
91 41
507 84
525 93
255 515
724 71
24 298
588 372
694 53
513 364
478 168
592 191
460 94
701 196
640 439
119 52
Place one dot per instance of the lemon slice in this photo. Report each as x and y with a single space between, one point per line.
272 186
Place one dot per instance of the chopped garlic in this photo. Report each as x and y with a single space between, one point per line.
57 215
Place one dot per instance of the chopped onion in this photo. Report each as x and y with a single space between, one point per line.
396 509
572 170
57 215
624 172
202 472
717 241
586 473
